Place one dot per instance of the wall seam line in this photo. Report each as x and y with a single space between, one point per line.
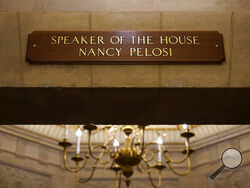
20 46
91 66
159 66
230 51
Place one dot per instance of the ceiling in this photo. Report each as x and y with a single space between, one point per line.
202 132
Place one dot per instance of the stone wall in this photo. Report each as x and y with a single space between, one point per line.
15 71
19 178
26 160
124 5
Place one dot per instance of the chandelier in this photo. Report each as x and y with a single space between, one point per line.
123 158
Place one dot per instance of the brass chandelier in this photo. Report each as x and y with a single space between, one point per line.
122 158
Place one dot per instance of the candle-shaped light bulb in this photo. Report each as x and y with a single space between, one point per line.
78 134
111 130
185 126
159 143
66 133
116 144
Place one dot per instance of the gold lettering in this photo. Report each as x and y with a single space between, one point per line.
195 39
146 52
165 51
100 39
133 39
53 39
189 40
184 40
116 41
165 40
92 40
173 37
122 38
153 52
118 51
101 52
107 52
75 40
59 39
139 52
91 51
143 40
82 52
83 40
149 40
66 40
132 50
170 52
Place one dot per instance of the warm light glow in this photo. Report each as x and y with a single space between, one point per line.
66 133
116 143
184 126
78 132
159 140
111 129
124 156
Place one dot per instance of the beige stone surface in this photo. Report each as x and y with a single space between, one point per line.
124 5
240 76
11 177
54 156
221 147
204 156
9 143
197 75
9 50
204 5
245 143
125 75
58 5
32 150
111 21
53 75
121 5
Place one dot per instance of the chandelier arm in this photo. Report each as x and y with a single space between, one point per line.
151 180
90 149
143 142
103 148
108 160
90 177
144 157
181 174
139 169
102 151
165 154
70 169
118 177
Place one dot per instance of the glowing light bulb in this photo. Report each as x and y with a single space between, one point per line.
116 143
66 133
185 126
111 129
159 140
78 132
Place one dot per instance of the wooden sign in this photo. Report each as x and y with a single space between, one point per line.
125 47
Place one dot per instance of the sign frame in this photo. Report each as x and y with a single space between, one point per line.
125 47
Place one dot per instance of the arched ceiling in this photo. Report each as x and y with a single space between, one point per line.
56 132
